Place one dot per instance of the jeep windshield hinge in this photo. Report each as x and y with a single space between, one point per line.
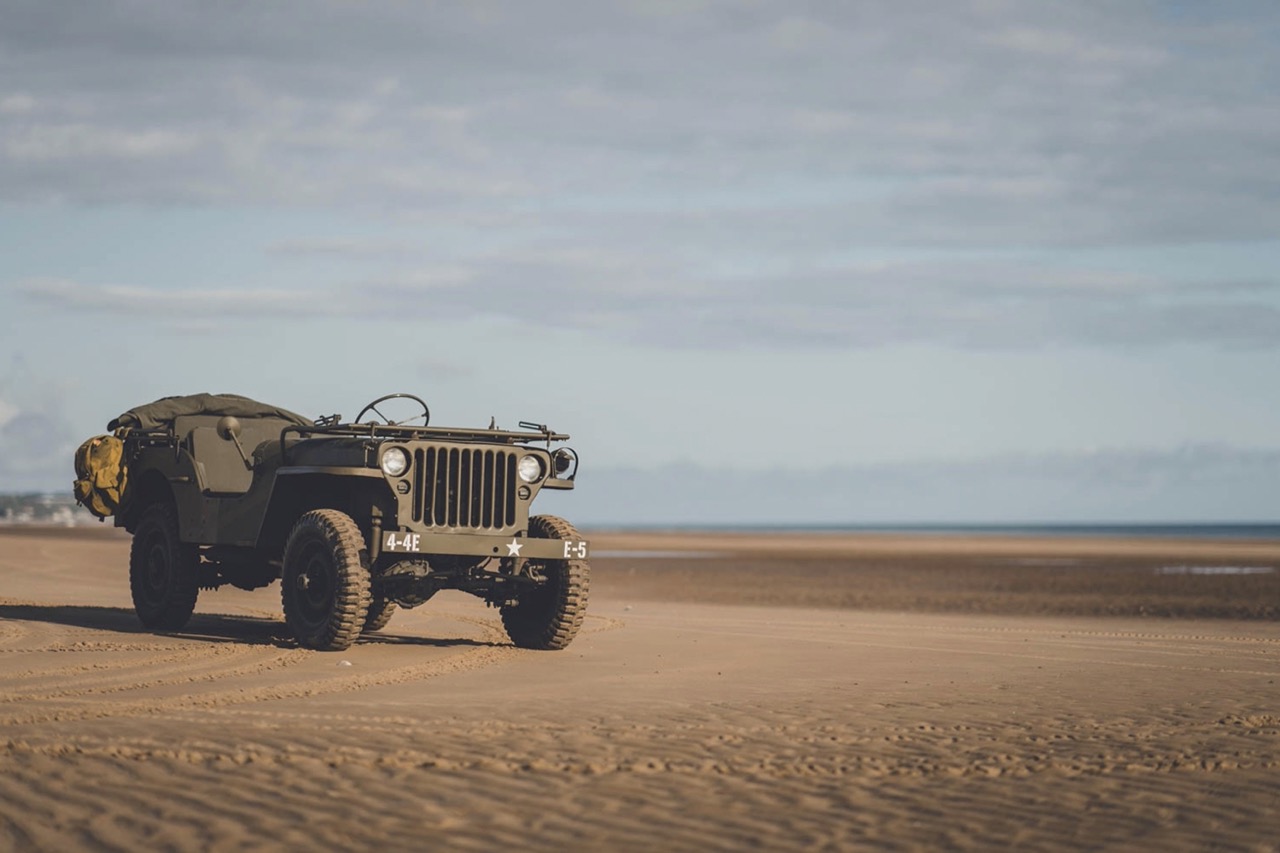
542 428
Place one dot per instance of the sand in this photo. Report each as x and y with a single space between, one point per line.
727 692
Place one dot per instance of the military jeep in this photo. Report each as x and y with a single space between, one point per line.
355 518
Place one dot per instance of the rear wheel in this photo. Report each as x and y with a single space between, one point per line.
549 616
325 583
163 570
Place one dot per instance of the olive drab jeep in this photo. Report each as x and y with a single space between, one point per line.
355 518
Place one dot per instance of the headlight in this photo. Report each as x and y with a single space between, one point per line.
530 468
395 462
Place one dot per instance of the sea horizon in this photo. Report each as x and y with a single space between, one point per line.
1186 530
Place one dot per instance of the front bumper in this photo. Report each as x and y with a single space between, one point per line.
409 543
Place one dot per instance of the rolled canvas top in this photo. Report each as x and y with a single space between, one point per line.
164 410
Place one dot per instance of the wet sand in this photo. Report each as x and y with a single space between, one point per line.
727 692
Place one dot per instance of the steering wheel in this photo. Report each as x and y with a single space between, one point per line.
373 407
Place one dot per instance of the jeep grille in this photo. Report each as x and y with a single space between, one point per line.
464 487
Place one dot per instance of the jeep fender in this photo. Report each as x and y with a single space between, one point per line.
300 489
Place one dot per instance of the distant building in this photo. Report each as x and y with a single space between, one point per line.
55 509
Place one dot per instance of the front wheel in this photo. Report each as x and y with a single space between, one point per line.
164 572
325 583
380 612
549 616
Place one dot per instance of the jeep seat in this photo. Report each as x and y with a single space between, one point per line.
219 466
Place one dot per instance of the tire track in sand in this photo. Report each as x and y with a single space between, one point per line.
465 661
496 651
189 668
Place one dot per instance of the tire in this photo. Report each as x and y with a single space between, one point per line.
325 583
380 612
164 572
548 616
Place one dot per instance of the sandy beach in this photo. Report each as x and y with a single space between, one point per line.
804 692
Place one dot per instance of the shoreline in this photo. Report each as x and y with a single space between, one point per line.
904 544
838 541
998 575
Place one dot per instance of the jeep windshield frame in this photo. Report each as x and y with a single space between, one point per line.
404 432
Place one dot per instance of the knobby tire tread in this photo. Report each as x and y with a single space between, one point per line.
352 595
380 612
550 617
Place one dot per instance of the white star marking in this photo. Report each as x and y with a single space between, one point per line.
513 548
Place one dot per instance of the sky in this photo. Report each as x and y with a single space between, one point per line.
767 262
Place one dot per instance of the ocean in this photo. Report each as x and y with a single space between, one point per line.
1217 530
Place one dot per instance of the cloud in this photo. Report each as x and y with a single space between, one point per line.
188 306
30 444
80 141
1190 484
36 445
443 370
984 305
1026 123
16 104
37 439
694 175
343 246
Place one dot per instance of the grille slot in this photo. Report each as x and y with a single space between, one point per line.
464 487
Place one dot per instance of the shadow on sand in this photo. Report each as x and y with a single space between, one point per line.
207 627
